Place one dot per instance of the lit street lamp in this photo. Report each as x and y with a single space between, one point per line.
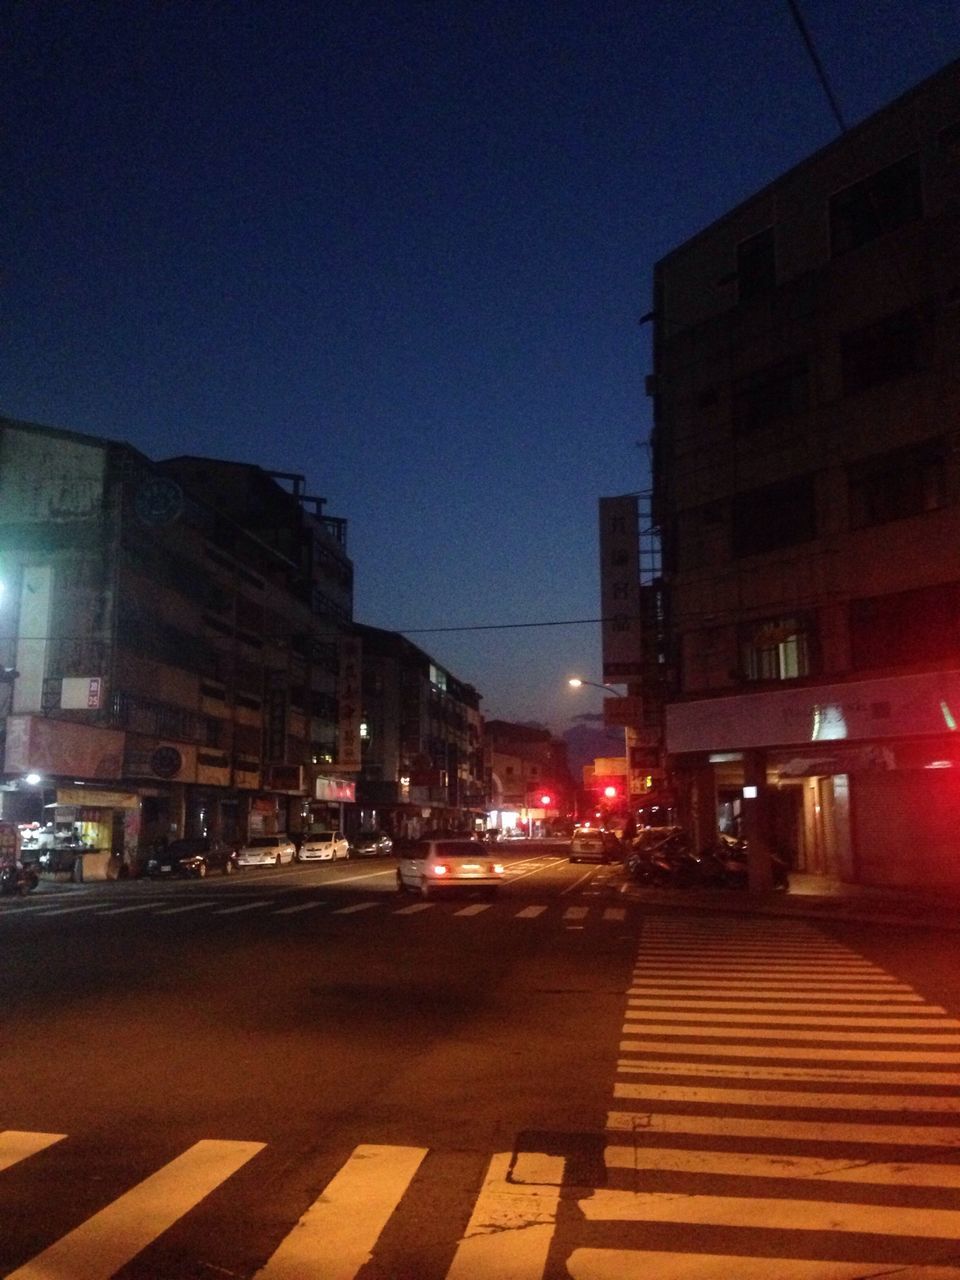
575 683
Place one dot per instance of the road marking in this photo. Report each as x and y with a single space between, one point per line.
748 1164
357 906
509 1233
850 1019
412 909
918 1056
122 911
175 911
615 913
247 906
815 986
839 1075
785 1130
337 1234
733 1097
300 906
107 1241
18 1144
627 1264
759 1033
761 1006
708 969
575 913
770 1213
474 909
530 913
69 911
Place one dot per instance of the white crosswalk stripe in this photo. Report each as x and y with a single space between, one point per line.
725 1019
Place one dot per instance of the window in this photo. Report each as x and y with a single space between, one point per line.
875 205
891 486
908 628
776 648
880 352
772 394
756 265
779 515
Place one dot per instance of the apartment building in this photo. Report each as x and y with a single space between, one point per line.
806 479
168 657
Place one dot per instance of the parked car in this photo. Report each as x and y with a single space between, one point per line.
267 851
194 858
323 846
593 844
371 844
432 865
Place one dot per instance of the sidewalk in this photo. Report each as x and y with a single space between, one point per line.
815 897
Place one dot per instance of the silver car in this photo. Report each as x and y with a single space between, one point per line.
267 851
432 865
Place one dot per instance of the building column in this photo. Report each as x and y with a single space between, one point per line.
756 822
703 806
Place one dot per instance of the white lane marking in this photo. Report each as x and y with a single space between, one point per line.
917 1005
107 1241
850 1019
796 1168
509 1233
122 911
758 1033
615 913
247 906
357 906
733 1097
814 986
897 1135
474 909
628 1264
69 911
771 1213
707 968
792 992
575 913
300 906
917 1056
18 1144
337 1234
414 908
741 1071
530 913
176 911
571 888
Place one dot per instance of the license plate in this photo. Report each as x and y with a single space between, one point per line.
165 866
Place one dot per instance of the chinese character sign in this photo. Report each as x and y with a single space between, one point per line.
349 691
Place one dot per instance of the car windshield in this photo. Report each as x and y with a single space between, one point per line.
320 835
264 842
457 849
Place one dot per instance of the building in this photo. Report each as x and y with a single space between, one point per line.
806 476
529 782
172 660
421 750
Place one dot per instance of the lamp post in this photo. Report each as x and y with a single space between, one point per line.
576 682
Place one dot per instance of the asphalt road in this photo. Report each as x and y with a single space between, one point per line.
298 1074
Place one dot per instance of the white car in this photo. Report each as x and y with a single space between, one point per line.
431 865
324 846
267 851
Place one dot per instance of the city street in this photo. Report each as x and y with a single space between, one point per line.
299 1073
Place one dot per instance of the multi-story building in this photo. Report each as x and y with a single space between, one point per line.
421 742
806 457
168 646
529 780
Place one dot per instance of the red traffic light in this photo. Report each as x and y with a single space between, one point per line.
546 800
610 793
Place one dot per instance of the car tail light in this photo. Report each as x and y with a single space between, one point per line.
497 868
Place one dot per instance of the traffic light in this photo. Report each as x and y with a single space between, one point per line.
610 793
546 800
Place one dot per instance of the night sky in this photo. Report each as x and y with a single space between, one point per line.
403 249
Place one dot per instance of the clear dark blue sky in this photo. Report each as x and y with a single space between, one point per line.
402 248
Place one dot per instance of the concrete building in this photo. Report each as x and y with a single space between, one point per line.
421 750
168 647
806 393
524 764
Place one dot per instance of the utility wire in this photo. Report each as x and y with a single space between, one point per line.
794 8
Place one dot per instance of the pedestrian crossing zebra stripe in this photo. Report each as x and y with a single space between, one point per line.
624 1264
853 1018
17 1145
822 1074
734 1097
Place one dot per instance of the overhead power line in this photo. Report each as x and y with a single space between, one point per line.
513 626
817 64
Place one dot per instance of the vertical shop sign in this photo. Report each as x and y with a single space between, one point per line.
348 690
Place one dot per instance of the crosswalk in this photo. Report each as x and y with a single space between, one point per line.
784 1110
220 906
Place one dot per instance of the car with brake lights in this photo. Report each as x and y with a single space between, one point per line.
429 867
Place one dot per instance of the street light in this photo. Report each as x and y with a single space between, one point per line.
576 683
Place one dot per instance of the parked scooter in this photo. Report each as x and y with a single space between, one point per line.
17 878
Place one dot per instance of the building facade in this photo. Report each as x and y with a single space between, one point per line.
806 461
421 743
169 654
529 781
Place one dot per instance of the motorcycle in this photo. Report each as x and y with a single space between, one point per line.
17 878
